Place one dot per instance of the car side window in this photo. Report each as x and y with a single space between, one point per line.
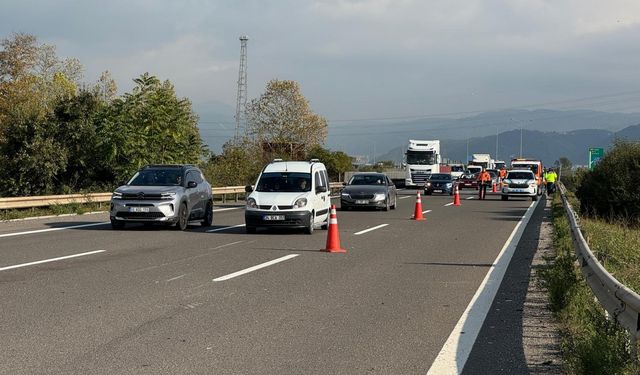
318 179
190 177
197 176
325 178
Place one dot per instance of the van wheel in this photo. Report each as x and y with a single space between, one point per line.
325 225
312 219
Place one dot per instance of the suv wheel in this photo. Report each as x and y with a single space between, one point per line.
505 197
115 224
182 218
250 229
208 215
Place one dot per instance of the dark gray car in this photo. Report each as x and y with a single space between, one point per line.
439 183
373 190
166 194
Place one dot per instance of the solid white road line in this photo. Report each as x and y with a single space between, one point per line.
406 196
51 260
448 204
51 229
251 269
227 209
457 348
176 278
426 211
225 228
370 229
470 198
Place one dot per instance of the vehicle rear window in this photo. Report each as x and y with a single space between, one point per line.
285 182
157 177
520 176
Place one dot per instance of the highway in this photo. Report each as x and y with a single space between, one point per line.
159 301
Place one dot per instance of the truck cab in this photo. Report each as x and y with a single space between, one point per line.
421 160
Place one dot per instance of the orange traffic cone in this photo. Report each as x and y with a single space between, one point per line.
417 215
493 189
333 237
456 196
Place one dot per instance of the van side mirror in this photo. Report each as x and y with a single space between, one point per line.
248 189
321 189
191 184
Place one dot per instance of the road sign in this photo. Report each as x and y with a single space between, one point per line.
595 154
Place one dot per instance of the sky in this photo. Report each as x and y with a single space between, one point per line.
356 59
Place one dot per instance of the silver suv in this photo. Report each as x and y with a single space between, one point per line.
168 194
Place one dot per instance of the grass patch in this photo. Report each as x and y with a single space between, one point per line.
591 344
72 208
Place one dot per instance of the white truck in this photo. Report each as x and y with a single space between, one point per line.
483 160
421 159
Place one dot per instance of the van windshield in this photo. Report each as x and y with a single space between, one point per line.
532 166
284 182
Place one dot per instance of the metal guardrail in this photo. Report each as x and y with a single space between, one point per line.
51 200
620 302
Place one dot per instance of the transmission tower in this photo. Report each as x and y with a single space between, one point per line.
241 104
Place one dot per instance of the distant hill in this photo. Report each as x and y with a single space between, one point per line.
547 146
368 138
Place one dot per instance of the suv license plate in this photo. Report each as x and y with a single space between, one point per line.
362 202
437 190
273 217
138 209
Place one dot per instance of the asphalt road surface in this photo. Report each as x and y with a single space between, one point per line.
144 300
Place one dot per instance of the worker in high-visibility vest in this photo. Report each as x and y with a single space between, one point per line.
484 180
550 178
502 173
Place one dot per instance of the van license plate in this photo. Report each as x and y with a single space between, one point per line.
437 190
362 202
273 217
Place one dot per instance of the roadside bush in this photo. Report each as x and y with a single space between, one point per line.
610 190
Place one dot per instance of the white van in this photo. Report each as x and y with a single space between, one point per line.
293 194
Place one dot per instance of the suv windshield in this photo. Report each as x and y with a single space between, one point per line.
520 176
157 177
367 179
457 168
286 182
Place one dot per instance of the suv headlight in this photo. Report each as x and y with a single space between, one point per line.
449 184
427 184
116 195
379 197
251 203
300 202
345 194
170 195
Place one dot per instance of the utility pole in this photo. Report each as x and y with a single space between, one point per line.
467 161
241 102
497 143
520 140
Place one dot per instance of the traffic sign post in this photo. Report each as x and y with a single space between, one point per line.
595 154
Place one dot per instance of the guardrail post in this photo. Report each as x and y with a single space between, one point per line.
236 197
224 198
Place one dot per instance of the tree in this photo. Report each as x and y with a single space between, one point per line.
32 81
237 165
337 162
564 163
150 125
281 122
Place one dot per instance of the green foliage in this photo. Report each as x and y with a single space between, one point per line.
610 190
151 125
337 162
55 138
236 166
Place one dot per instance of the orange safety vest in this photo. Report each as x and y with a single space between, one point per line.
484 176
503 173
